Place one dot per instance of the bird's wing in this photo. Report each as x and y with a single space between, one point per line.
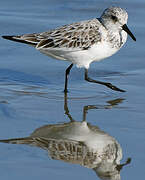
77 35
80 35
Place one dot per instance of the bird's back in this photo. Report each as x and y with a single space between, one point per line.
80 35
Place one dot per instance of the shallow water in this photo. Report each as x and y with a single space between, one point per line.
31 86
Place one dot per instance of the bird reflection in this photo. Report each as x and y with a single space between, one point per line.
79 143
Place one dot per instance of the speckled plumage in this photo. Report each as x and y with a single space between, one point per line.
83 42
72 42
80 35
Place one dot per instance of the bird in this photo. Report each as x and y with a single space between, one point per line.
84 42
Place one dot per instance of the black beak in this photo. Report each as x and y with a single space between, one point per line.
125 28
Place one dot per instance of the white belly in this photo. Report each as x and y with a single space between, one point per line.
95 53
83 58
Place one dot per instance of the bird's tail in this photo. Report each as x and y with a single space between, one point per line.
32 141
27 39
26 140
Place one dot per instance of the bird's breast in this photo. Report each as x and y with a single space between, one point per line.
102 50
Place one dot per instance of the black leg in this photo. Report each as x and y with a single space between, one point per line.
109 85
66 109
66 77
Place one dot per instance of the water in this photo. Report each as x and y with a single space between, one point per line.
31 86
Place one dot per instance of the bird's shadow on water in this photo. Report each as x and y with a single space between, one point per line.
79 142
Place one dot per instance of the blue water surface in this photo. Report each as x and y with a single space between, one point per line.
31 89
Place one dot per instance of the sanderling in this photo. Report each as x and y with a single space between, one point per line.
83 42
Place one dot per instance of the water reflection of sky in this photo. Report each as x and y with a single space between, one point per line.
79 143
31 88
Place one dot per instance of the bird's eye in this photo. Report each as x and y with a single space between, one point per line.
114 18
